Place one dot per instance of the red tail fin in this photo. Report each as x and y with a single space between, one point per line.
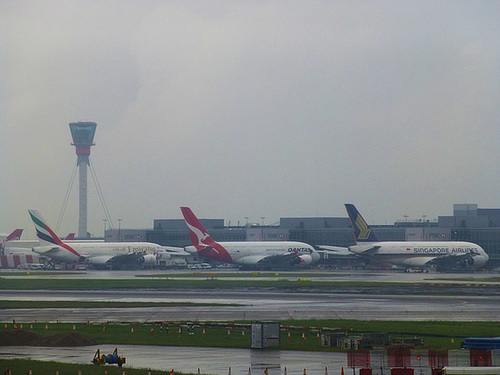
202 241
15 235
198 234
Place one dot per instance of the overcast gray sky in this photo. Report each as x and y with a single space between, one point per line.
250 108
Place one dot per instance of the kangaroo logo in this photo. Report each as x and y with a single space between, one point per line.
200 235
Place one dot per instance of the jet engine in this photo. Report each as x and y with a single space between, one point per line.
148 260
305 259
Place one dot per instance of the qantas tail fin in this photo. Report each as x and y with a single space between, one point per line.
362 231
198 234
15 235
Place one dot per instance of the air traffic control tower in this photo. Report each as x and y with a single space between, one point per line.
83 139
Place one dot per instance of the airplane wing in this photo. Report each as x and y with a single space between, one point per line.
366 249
334 250
174 251
277 260
129 258
48 251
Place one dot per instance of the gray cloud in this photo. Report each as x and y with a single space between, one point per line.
251 109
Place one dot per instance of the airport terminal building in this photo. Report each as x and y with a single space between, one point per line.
468 223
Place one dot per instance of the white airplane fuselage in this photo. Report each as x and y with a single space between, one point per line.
93 250
250 253
418 254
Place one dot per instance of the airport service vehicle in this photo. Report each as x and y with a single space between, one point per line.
445 255
95 253
265 254
481 343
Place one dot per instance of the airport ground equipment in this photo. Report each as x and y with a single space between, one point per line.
481 343
108 359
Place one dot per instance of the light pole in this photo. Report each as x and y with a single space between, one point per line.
119 230
423 227
104 230
262 228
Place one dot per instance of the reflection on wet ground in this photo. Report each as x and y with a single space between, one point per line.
189 360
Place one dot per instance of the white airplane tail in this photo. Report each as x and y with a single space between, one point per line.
47 235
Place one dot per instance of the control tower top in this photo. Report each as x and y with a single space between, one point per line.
83 136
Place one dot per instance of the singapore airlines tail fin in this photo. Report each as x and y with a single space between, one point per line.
362 231
198 234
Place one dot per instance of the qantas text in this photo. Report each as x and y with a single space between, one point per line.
303 250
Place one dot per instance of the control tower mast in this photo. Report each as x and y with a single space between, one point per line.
83 139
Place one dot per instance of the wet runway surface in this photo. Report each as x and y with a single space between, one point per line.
255 304
189 360
408 302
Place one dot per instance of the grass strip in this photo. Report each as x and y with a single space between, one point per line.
163 283
295 334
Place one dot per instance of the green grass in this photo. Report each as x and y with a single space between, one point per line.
29 283
208 282
303 334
